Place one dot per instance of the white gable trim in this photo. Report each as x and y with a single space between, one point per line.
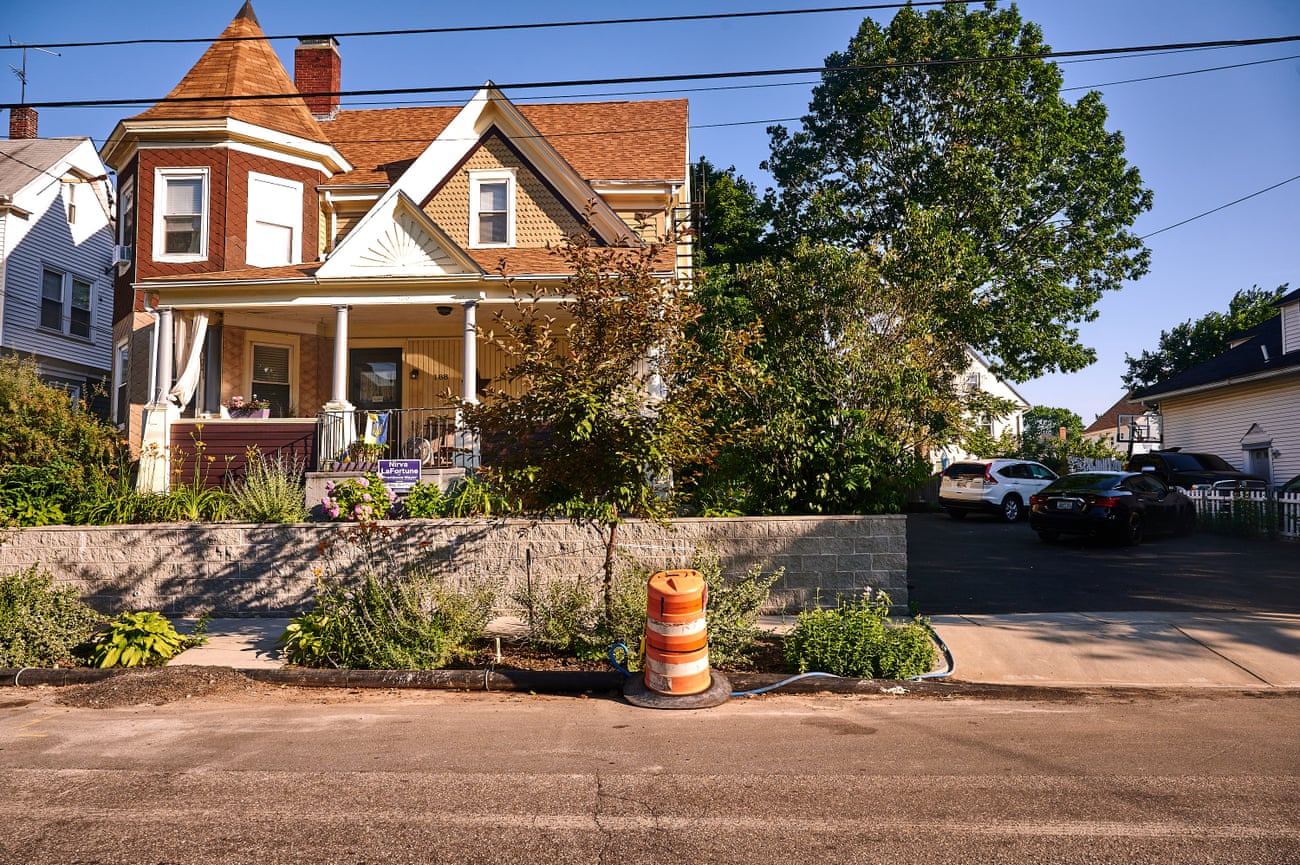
489 108
397 239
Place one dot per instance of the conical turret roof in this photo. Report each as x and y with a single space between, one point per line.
240 63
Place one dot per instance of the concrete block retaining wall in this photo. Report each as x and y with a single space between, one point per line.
238 569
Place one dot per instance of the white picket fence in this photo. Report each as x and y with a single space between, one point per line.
1250 512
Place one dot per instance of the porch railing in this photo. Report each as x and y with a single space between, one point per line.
365 436
1251 512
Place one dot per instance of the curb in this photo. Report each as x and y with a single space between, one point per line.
576 682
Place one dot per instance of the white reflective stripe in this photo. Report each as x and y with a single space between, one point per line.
675 629
690 668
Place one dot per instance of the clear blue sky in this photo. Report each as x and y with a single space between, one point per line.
1200 141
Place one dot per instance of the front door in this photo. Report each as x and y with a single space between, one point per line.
375 378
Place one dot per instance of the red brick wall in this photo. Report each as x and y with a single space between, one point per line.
228 172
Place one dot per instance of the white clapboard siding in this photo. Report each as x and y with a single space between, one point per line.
1216 421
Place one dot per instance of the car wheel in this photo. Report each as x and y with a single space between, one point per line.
956 513
1133 530
1187 521
1050 537
1012 508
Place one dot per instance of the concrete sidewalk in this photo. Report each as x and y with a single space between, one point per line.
1162 650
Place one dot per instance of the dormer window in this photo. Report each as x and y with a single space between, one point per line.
180 214
492 208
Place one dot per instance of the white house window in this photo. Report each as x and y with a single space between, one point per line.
180 214
67 303
121 369
274 221
271 377
492 208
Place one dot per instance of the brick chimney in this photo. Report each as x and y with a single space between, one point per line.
318 69
22 122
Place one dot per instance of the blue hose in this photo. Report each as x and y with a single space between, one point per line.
946 654
782 684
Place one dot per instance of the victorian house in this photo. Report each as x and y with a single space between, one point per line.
330 268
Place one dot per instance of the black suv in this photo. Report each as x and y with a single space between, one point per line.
1194 471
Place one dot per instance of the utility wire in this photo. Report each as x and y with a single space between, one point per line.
1181 74
1220 207
657 79
487 28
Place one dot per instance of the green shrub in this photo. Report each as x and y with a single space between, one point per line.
380 606
144 639
471 497
734 608
425 501
857 639
566 616
52 450
40 625
271 490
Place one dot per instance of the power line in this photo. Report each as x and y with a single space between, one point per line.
692 76
487 28
1181 74
1220 207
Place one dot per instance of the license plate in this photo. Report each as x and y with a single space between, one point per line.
1065 506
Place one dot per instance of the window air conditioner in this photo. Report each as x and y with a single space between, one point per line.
122 254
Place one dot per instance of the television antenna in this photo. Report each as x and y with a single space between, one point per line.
22 73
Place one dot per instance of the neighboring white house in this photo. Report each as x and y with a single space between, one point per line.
1243 405
979 376
56 257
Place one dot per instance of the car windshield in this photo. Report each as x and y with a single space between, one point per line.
1213 463
1083 482
965 470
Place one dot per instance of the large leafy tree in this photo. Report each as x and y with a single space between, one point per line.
732 217
1194 342
977 183
853 389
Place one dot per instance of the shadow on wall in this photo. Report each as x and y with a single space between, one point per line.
233 570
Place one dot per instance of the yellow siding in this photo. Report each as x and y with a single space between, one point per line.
540 216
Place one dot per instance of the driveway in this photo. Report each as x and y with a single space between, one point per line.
982 566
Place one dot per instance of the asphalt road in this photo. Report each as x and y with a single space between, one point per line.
436 777
980 565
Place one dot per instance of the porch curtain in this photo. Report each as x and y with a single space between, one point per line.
191 330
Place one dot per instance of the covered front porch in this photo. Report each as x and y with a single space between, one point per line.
335 388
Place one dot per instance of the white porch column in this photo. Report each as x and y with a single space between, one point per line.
337 431
469 356
339 389
155 439
466 442
166 348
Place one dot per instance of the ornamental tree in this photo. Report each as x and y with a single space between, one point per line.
606 393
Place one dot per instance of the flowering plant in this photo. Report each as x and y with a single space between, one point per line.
237 402
360 499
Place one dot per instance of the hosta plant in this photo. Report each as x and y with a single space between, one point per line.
137 640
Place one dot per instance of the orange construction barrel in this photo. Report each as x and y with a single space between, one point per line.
676 636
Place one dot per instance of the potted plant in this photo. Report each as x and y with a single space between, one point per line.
253 408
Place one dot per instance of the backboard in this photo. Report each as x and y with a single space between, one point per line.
1147 428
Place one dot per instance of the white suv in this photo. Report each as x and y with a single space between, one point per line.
1001 487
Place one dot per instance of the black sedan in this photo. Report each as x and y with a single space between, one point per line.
1124 506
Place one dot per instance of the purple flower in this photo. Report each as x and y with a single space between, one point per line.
363 482
365 497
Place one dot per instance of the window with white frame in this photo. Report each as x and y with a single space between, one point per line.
67 302
271 379
126 213
121 370
492 208
180 214
274 221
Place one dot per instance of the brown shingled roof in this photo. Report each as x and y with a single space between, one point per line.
240 68
601 140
